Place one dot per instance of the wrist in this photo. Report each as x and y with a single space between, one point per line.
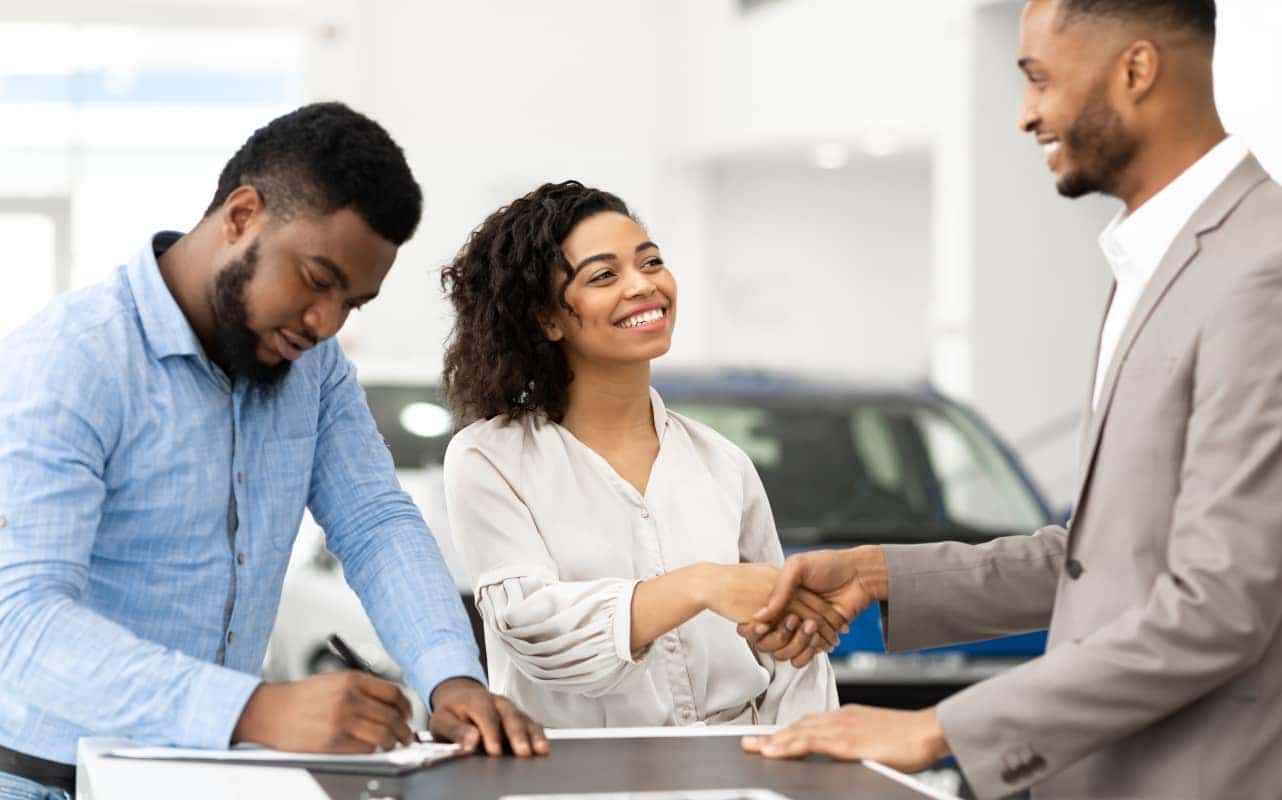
246 729
701 581
933 742
868 563
450 685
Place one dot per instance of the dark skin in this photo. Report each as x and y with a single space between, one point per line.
313 271
1127 80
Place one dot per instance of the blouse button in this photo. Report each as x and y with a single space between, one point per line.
645 513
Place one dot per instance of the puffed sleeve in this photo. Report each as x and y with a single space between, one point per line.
568 635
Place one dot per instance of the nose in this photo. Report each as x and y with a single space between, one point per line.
640 285
324 319
1028 116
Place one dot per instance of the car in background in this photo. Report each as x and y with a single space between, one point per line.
842 463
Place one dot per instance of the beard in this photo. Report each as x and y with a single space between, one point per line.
235 345
1100 145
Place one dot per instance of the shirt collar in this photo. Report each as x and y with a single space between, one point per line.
1135 244
660 412
163 323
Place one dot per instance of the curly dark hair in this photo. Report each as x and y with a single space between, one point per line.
322 158
498 359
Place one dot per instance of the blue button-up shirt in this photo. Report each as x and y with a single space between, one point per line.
134 476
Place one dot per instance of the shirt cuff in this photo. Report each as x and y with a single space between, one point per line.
622 628
451 659
216 699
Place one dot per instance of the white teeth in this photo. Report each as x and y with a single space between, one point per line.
643 318
1051 148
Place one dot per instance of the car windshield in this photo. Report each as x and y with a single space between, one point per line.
892 469
899 468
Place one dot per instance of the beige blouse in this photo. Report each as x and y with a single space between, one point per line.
556 541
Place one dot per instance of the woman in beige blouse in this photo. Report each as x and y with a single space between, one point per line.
613 544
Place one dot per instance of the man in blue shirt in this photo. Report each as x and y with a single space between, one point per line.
160 437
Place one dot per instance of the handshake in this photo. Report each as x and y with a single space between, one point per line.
807 603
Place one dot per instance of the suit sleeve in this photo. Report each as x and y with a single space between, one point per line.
1211 615
1001 588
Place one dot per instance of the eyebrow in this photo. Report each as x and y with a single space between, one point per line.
646 245
340 277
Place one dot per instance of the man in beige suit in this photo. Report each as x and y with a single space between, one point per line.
1163 673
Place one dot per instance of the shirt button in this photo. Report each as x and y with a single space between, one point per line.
687 713
1073 568
231 637
240 559
645 513
240 477
671 645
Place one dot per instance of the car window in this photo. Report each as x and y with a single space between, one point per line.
888 469
884 470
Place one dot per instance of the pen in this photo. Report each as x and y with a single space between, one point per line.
348 656
351 660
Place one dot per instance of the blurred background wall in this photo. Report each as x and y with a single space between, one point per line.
838 184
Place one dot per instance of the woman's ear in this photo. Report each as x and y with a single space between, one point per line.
551 329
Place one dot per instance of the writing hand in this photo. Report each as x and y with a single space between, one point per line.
338 712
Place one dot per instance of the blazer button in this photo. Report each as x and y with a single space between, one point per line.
1073 568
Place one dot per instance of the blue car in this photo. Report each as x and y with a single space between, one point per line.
845 464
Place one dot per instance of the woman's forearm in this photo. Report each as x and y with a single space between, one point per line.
661 604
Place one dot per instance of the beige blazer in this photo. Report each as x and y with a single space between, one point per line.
1163 672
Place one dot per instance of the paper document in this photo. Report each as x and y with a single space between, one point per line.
697 794
401 759
670 732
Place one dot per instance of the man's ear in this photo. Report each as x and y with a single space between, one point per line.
242 211
1142 62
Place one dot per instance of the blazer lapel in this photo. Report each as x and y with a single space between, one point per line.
1209 216
1088 417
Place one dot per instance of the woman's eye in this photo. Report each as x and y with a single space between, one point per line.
653 263
600 276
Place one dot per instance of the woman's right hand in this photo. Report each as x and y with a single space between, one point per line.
737 591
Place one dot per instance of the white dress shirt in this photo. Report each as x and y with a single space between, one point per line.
1135 245
557 541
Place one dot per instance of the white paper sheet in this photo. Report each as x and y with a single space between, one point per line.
673 732
420 754
709 794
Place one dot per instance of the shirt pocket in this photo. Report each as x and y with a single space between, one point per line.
284 486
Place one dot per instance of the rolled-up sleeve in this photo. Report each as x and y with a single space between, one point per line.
569 635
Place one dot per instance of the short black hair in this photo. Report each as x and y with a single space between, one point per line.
1194 16
322 158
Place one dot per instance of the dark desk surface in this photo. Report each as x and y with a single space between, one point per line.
621 765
